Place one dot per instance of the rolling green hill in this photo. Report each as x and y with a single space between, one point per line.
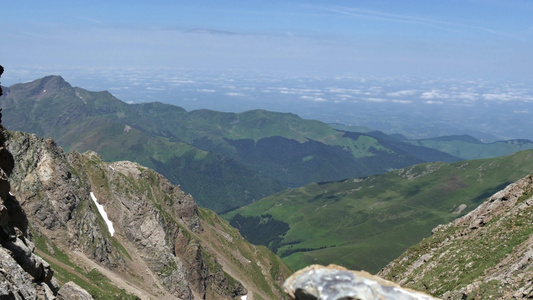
464 147
364 223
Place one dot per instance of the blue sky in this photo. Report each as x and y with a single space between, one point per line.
448 38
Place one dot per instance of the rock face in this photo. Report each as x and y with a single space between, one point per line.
334 282
162 245
485 254
23 275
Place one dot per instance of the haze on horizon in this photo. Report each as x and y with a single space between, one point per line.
235 55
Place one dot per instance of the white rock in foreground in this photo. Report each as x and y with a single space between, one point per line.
335 282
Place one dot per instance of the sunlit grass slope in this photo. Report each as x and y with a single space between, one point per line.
365 223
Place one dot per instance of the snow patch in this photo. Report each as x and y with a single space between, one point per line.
103 214
244 297
10 194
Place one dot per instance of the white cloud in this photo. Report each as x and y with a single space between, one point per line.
313 98
498 97
206 90
289 92
344 96
468 96
401 93
156 88
374 90
235 94
433 102
434 94
296 91
344 91
183 81
402 101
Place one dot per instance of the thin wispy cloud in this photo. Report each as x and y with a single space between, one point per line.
398 18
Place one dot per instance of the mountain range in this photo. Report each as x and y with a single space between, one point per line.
225 160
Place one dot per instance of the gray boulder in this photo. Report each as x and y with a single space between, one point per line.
335 283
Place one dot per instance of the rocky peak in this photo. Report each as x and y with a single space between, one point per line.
42 88
52 83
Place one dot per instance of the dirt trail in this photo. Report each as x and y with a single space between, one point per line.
70 269
116 279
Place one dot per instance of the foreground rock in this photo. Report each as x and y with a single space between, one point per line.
334 282
72 291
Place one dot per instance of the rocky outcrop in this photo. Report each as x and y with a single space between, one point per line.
23 275
159 244
72 291
335 282
485 254
54 197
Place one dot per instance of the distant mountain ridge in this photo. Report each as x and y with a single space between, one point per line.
204 151
467 147
226 160
81 120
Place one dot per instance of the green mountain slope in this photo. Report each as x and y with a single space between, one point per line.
365 223
81 120
283 145
485 254
225 160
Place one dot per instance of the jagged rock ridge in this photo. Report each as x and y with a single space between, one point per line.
23 275
163 244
